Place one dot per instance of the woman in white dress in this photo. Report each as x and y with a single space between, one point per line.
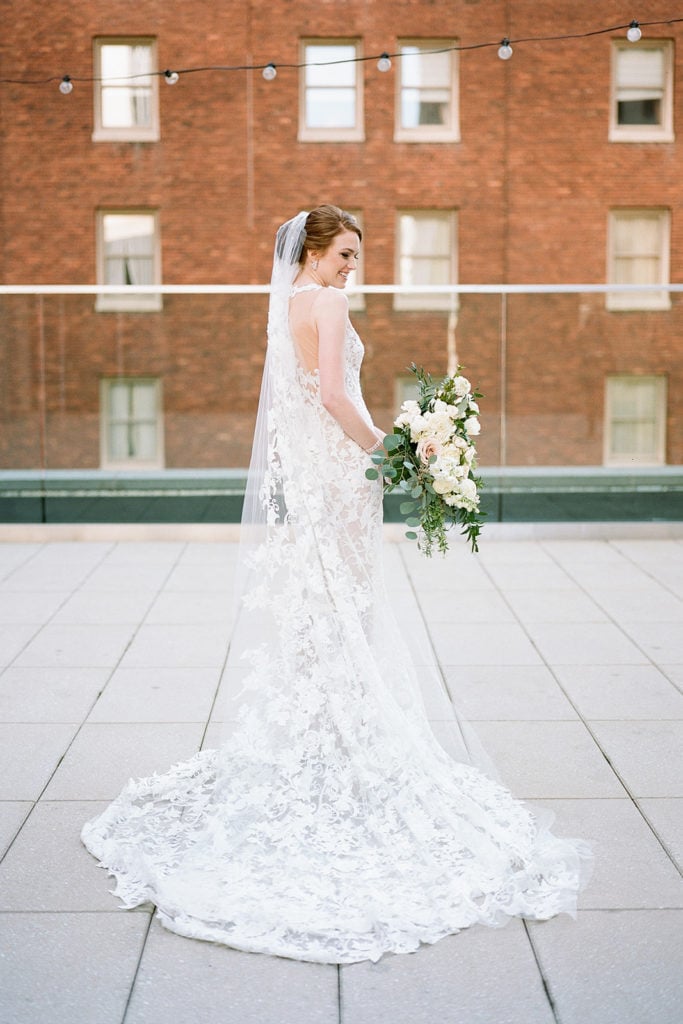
330 825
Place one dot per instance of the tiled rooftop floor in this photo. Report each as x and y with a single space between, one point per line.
568 653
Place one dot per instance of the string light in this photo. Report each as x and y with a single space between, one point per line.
634 33
269 71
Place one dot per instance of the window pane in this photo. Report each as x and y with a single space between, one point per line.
330 108
332 74
144 400
425 86
424 69
640 111
143 436
118 400
119 449
126 101
637 69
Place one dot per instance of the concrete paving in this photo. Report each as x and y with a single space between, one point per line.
568 654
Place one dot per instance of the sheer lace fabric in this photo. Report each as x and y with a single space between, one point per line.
330 825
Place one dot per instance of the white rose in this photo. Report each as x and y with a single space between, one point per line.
474 407
427 447
472 425
442 486
461 386
468 489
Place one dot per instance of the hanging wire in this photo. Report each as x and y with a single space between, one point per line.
459 48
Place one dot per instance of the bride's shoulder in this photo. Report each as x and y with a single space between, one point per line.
332 301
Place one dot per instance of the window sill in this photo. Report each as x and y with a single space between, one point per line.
634 304
425 135
641 135
331 135
430 303
129 304
126 135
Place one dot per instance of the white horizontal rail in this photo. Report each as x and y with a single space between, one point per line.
367 289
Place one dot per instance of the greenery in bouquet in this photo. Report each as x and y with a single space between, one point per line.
431 456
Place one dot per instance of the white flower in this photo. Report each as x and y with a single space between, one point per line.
474 407
472 425
442 486
461 386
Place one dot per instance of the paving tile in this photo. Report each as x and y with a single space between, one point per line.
479 644
593 643
68 968
157 695
548 759
186 981
81 645
127 577
103 758
145 553
645 604
590 575
104 607
613 966
631 870
191 606
48 868
591 552
14 638
30 605
674 673
55 577
481 976
546 605
620 691
177 646
28 756
514 552
211 552
666 817
532 576
516 692
13 555
54 694
12 815
661 641
448 605
647 755
201 577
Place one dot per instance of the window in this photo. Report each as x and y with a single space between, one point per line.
639 254
128 254
405 389
635 421
126 97
131 434
642 92
426 255
427 107
331 94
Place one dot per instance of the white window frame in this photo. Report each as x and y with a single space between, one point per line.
125 133
449 132
357 132
147 303
654 458
645 300
663 132
107 461
426 301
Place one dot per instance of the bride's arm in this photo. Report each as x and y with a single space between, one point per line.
330 311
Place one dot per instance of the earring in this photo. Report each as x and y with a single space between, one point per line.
315 264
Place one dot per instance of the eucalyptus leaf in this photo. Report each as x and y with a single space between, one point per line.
372 474
411 535
407 506
416 491
412 521
392 441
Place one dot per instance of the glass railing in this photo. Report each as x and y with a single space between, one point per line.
110 413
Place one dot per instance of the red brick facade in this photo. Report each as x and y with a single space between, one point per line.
533 179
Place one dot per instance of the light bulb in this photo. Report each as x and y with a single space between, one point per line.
269 72
171 77
634 33
384 63
505 50
66 86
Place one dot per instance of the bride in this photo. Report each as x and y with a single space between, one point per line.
330 825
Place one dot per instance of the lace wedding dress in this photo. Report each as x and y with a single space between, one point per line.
330 825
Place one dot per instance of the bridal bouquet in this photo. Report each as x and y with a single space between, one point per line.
431 455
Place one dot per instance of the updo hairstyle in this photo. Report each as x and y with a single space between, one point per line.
323 225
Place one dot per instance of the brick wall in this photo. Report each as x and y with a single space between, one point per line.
533 179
